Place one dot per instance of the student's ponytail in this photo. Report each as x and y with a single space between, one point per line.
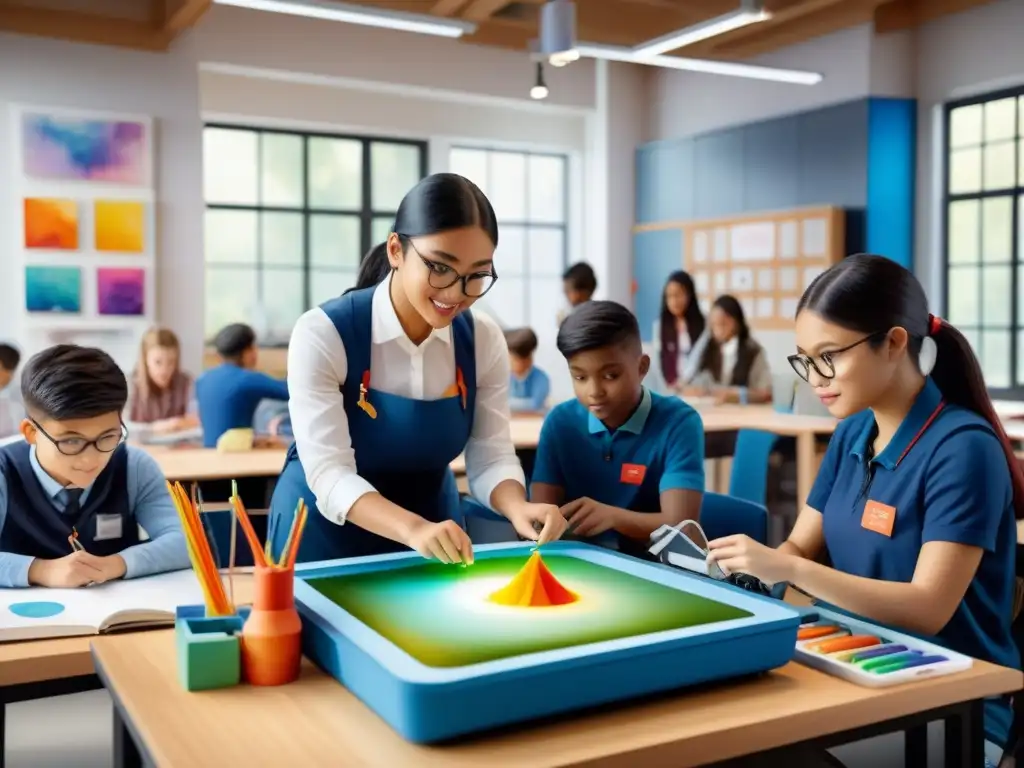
958 375
373 268
872 294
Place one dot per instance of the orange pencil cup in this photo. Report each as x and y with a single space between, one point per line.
271 636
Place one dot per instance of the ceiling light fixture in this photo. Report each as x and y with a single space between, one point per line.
557 38
749 12
539 90
707 66
360 14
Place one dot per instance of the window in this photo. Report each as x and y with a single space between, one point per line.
984 232
289 215
528 192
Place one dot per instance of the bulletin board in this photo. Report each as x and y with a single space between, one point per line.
765 260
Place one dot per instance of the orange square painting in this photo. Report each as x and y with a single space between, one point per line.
120 226
51 224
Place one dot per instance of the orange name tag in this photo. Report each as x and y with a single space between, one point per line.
633 474
879 518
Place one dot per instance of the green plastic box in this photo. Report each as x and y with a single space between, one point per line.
208 649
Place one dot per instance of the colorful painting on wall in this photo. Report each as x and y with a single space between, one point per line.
84 149
121 291
53 289
120 226
51 224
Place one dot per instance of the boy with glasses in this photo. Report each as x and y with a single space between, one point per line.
72 495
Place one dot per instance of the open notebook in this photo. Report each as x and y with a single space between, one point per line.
37 613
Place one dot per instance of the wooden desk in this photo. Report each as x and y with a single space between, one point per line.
316 722
208 464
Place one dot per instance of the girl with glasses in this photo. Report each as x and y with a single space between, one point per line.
915 502
393 380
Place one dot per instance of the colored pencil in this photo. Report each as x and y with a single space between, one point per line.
250 533
198 544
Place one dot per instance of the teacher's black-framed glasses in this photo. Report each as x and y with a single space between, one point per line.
441 275
825 364
73 446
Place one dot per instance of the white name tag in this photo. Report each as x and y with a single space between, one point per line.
108 527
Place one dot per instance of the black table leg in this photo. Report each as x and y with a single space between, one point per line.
3 732
126 752
915 746
965 736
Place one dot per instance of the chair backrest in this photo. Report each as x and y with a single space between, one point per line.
749 477
726 516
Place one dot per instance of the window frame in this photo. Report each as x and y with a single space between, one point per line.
366 213
1016 192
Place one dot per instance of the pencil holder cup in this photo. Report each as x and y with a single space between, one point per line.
208 649
271 641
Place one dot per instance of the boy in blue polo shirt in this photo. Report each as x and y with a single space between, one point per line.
528 386
229 394
72 479
620 460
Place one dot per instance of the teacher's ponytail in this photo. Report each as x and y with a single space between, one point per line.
373 268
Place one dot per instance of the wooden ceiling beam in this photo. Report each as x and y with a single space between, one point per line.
81 28
447 7
897 15
481 10
180 15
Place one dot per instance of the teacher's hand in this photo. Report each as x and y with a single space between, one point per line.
527 517
444 541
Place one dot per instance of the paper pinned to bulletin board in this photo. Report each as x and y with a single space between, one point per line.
765 260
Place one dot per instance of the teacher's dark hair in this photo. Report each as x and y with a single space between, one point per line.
871 294
438 203
68 382
694 318
595 325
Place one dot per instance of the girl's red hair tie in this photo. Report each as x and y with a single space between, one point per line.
934 325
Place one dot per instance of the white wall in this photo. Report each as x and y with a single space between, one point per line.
958 56
48 73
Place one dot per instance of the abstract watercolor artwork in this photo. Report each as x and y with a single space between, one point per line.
51 224
120 226
53 289
120 291
84 149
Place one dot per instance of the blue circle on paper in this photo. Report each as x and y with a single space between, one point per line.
36 610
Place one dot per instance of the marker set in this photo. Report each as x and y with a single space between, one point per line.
869 655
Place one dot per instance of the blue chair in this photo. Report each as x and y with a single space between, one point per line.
749 477
726 516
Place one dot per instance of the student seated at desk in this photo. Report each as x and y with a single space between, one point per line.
74 480
161 398
11 409
579 283
916 498
229 394
619 460
732 366
529 386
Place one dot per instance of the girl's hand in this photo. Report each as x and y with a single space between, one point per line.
528 517
444 541
741 554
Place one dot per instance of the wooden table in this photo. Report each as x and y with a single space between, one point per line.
39 669
316 722
209 464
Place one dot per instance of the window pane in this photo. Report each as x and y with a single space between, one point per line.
508 193
328 284
1020 357
394 170
965 126
1020 160
471 163
999 161
1000 119
334 241
281 170
336 173
964 171
546 248
997 287
230 297
506 301
510 256
380 228
995 358
230 160
964 232
1020 116
1020 308
963 296
282 239
283 301
545 298
547 189
997 229
231 237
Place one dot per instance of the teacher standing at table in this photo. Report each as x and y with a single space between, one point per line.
389 383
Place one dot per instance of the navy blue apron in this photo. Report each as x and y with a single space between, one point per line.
403 447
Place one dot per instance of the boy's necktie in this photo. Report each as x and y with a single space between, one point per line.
73 504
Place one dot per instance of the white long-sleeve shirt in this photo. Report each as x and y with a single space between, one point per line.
318 366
